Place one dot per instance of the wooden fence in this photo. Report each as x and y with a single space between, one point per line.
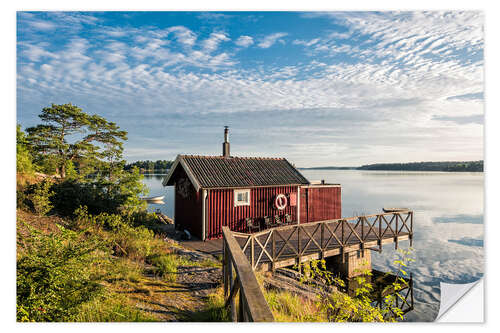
282 246
242 282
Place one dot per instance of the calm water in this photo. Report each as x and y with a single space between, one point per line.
448 223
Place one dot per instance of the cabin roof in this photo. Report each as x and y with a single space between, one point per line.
219 171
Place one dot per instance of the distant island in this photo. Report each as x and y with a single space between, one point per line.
149 166
451 166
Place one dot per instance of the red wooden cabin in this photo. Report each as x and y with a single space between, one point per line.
216 191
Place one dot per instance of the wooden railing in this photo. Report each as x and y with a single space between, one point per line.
321 239
242 282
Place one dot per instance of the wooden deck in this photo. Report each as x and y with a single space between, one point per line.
287 245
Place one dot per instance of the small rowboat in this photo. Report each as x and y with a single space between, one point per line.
158 198
394 210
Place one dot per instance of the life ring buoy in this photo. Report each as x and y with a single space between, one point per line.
280 201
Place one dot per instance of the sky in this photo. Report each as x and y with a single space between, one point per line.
318 88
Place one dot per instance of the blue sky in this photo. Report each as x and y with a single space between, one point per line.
319 88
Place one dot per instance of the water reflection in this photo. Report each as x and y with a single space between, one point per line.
383 286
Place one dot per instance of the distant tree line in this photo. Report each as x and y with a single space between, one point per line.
149 165
467 166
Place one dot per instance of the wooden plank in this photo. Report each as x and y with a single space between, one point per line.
263 249
231 286
258 309
234 291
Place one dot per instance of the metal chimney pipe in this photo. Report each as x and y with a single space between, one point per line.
225 144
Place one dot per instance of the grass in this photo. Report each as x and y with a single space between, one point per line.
287 307
124 269
214 310
112 308
166 265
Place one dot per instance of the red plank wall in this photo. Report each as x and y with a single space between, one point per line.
319 203
221 210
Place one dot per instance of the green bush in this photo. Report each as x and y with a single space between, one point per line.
56 273
22 199
40 197
136 243
70 194
24 160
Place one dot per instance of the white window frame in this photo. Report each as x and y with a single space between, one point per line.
241 203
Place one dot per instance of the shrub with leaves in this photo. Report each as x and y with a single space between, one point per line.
126 240
40 197
358 306
56 273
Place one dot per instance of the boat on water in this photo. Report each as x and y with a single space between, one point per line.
158 198
394 210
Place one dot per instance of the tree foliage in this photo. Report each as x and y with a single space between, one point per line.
85 151
24 160
150 165
89 142
468 166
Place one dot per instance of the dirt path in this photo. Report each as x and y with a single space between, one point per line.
184 299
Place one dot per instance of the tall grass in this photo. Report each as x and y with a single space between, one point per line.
287 307
111 308
166 266
214 310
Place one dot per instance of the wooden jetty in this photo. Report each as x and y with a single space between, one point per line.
292 244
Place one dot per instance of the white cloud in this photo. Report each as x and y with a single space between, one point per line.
35 52
305 42
244 41
212 43
42 25
183 35
404 71
269 40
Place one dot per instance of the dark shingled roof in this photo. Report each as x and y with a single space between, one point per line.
218 171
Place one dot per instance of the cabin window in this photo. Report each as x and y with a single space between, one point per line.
241 198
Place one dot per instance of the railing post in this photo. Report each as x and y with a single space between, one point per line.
321 240
240 307
362 234
380 233
273 250
232 305
224 267
298 247
362 228
396 232
342 231
411 229
252 253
